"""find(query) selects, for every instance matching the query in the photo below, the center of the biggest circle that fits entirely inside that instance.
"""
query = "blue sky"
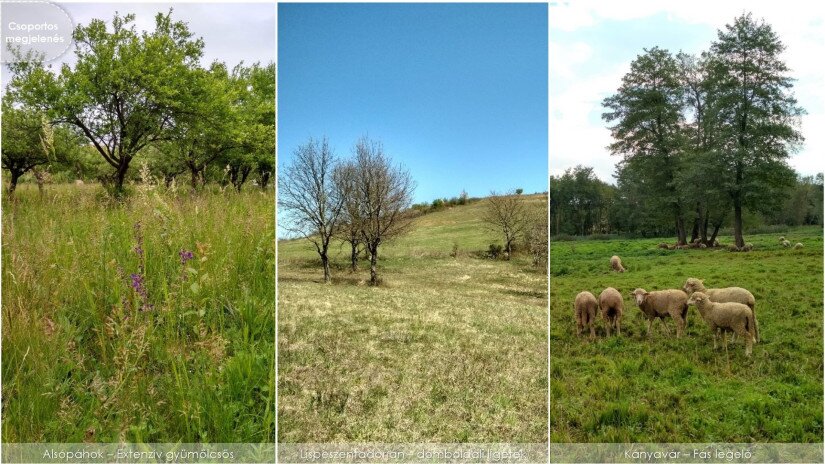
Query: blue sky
(456, 92)
(593, 42)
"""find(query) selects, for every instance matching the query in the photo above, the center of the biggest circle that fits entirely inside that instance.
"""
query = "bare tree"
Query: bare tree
(384, 197)
(309, 196)
(508, 215)
(349, 229)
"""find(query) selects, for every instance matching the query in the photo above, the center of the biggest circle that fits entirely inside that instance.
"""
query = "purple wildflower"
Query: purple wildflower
(139, 247)
(185, 256)
(139, 287)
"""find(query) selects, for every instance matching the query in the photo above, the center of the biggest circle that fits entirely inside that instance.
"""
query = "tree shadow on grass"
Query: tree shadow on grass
(527, 293)
(337, 280)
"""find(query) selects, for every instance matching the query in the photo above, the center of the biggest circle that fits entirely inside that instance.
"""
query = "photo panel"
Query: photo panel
(686, 275)
(412, 230)
(138, 281)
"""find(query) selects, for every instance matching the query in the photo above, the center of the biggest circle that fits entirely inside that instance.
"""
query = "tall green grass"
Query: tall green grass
(87, 358)
(635, 389)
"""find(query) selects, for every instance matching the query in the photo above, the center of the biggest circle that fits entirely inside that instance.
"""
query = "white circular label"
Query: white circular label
(36, 27)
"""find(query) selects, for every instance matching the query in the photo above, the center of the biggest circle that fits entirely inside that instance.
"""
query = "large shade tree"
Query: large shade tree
(647, 120)
(756, 114)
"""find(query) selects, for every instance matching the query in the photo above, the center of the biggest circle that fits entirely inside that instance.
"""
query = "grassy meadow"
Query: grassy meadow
(447, 349)
(150, 320)
(633, 389)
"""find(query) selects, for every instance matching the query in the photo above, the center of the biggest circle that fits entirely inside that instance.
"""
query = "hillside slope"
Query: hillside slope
(448, 350)
(431, 234)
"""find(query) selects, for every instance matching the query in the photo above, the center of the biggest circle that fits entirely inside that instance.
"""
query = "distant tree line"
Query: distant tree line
(583, 204)
(702, 140)
(144, 96)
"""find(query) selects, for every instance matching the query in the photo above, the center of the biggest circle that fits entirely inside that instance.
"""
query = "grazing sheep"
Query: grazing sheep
(616, 264)
(702, 246)
(663, 246)
(797, 246)
(726, 317)
(715, 242)
(781, 239)
(786, 243)
(671, 247)
(586, 307)
(661, 304)
(748, 247)
(612, 307)
(724, 295)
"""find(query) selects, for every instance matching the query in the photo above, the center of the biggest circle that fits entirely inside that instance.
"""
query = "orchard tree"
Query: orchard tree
(756, 114)
(309, 197)
(647, 127)
(211, 125)
(125, 89)
(255, 124)
(28, 141)
(384, 195)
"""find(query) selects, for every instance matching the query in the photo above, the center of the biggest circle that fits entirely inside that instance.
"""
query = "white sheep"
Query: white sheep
(724, 295)
(726, 317)
(661, 304)
(585, 308)
(797, 246)
(612, 308)
(616, 264)
(786, 243)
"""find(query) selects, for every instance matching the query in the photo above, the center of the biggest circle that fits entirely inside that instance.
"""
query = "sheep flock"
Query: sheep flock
(723, 310)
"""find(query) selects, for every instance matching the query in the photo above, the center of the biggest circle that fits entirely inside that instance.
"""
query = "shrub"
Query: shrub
(494, 251)
(454, 253)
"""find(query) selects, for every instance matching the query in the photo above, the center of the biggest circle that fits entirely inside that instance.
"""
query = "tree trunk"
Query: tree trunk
(704, 229)
(325, 261)
(737, 223)
(697, 220)
(681, 234)
(354, 256)
(716, 227)
(193, 181)
(509, 247)
(15, 176)
(120, 176)
(374, 266)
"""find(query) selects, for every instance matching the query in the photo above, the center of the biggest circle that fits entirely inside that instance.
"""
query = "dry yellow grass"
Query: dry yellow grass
(447, 350)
